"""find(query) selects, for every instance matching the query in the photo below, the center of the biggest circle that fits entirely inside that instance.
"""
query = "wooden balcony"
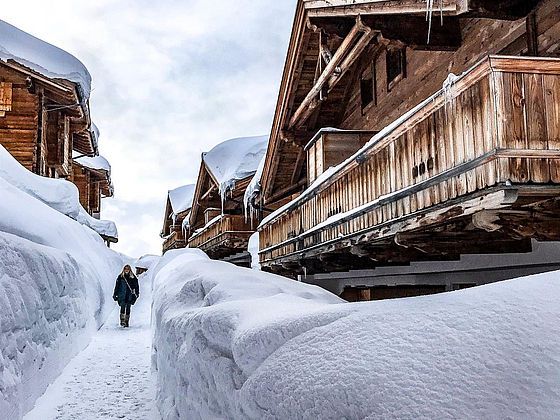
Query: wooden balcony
(475, 168)
(176, 239)
(224, 236)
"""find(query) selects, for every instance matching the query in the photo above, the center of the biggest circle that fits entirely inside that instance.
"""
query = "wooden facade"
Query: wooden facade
(218, 226)
(93, 185)
(43, 120)
(471, 168)
(174, 234)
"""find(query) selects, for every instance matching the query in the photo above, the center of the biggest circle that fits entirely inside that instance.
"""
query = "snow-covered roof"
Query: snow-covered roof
(98, 163)
(235, 159)
(42, 57)
(181, 198)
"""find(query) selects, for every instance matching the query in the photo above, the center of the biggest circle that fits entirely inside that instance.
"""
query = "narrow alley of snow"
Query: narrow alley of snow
(111, 378)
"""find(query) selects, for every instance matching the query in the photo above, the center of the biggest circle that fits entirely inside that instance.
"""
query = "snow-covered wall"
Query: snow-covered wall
(56, 281)
(242, 344)
(42, 296)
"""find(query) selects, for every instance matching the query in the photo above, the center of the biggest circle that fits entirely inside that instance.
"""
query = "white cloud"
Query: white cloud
(171, 79)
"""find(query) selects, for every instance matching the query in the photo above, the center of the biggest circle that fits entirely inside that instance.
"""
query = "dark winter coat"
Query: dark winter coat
(123, 294)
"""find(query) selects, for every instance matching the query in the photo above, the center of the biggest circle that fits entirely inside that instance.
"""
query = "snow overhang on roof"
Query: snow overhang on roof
(45, 59)
(235, 159)
(181, 198)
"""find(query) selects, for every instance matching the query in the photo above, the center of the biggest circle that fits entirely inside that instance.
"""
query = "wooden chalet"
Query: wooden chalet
(92, 176)
(177, 210)
(417, 172)
(218, 223)
(42, 120)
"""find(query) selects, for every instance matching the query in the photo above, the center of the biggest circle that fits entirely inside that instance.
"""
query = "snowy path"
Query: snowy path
(111, 379)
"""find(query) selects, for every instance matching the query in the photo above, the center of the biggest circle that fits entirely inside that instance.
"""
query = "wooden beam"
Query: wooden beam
(302, 155)
(334, 8)
(310, 99)
(411, 30)
(351, 58)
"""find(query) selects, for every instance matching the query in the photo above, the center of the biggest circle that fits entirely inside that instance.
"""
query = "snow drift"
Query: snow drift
(242, 344)
(56, 280)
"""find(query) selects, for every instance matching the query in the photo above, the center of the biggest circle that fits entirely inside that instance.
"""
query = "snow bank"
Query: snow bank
(253, 248)
(147, 261)
(235, 159)
(59, 194)
(43, 320)
(44, 58)
(242, 344)
(56, 281)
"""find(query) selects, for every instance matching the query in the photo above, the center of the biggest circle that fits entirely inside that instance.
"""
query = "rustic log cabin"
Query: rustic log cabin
(217, 221)
(44, 104)
(177, 210)
(379, 155)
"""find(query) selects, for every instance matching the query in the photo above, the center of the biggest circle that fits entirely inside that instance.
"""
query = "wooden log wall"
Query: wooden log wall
(81, 178)
(19, 126)
(493, 127)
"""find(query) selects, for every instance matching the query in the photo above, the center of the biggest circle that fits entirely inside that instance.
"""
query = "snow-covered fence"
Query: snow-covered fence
(242, 344)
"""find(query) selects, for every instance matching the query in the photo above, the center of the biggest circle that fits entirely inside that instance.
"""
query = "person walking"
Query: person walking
(126, 293)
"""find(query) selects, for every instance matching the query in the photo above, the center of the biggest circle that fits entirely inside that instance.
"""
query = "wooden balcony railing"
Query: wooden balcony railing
(498, 123)
(225, 235)
(176, 239)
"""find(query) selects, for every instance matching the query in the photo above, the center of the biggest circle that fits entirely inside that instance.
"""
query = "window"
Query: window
(396, 65)
(367, 87)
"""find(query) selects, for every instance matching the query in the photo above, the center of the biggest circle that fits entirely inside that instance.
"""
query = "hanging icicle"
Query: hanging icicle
(429, 13)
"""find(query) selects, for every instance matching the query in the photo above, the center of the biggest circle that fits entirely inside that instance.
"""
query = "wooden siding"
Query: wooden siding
(498, 124)
(19, 124)
(226, 236)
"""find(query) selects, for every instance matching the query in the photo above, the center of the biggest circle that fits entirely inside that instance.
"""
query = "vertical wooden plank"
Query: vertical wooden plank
(405, 172)
(514, 128)
(459, 144)
(410, 169)
(468, 136)
(386, 181)
(417, 153)
(398, 172)
(311, 172)
(441, 151)
(393, 175)
(485, 128)
(500, 119)
(537, 135)
(432, 155)
(551, 84)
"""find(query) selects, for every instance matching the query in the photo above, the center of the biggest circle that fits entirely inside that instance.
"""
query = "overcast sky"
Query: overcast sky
(171, 78)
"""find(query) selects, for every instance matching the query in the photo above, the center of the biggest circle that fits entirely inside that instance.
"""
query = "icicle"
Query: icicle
(447, 96)
(429, 13)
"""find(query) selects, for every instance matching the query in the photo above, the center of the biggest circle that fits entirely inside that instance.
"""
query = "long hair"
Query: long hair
(131, 272)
